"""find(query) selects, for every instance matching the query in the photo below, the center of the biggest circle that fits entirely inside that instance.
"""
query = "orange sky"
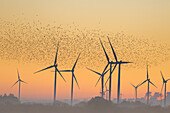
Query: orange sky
(40, 86)
(31, 30)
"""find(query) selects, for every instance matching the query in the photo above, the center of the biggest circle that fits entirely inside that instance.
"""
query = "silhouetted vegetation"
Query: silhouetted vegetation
(95, 105)
(10, 99)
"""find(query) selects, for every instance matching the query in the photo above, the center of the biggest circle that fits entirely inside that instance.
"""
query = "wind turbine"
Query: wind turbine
(106, 92)
(160, 95)
(147, 80)
(73, 78)
(102, 79)
(135, 90)
(119, 70)
(164, 82)
(19, 80)
(56, 70)
(111, 71)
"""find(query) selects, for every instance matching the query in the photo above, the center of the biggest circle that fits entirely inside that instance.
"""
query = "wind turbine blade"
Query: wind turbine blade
(138, 85)
(162, 76)
(14, 84)
(113, 68)
(56, 54)
(105, 68)
(105, 72)
(18, 74)
(76, 80)
(24, 82)
(65, 70)
(61, 75)
(168, 79)
(106, 88)
(112, 49)
(44, 69)
(104, 50)
(126, 62)
(132, 84)
(152, 84)
(94, 71)
(162, 87)
(98, 81)
(142, 83)
(113, 62)
(111, 73)
(107, 80)
(147, 72)
(76, 62)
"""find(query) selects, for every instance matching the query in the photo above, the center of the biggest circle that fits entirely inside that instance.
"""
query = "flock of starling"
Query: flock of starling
(34, 41)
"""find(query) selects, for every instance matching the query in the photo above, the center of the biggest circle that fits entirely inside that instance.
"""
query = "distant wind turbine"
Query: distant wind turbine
(73, 78)
(119, 70)
(19, 80)
(164, 82)
(135, 90)
(106, 91)
(56, 70)
(160, 95)
(102, 79)
(148, 80)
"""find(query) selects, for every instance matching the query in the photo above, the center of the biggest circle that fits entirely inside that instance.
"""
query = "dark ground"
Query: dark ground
(95, 105)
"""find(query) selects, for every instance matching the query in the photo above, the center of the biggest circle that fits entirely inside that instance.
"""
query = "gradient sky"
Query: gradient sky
(142, 17)
(145, 39)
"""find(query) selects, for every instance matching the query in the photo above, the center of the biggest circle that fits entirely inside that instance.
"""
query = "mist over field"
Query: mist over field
(94, 105)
